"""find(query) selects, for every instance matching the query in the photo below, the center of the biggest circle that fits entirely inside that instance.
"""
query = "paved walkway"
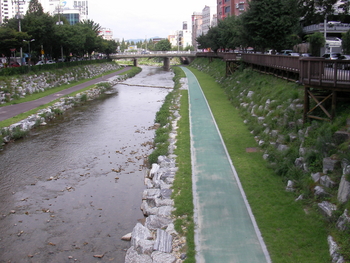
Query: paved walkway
(226, 229)
(10, 111)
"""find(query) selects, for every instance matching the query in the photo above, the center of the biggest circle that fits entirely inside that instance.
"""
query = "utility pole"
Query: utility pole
(19, 27)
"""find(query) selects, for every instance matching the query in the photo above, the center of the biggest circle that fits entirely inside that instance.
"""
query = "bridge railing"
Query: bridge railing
(287, 63)
(322, 72)
(155, 53)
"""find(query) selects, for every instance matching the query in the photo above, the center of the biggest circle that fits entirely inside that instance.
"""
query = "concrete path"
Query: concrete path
(10, 111)
(226, 229)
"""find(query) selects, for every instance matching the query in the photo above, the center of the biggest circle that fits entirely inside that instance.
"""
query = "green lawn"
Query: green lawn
(291, 234)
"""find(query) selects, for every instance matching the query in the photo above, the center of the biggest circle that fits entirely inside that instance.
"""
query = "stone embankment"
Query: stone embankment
(324, 186)
(65, 103)
(20, 86)
(156, 241)
(279, 128)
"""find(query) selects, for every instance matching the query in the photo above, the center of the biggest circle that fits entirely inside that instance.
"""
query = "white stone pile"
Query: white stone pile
(49, 113)
(32, 83)
(156, 241)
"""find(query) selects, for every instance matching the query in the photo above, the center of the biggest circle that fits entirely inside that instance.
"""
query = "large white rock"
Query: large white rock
(344, 190)
(133, 257)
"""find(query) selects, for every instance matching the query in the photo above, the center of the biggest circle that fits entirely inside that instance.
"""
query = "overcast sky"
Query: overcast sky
(140, 18)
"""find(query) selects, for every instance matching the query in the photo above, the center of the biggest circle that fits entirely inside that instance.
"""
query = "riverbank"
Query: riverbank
(266, 152)
(17, 126)
(86, 168)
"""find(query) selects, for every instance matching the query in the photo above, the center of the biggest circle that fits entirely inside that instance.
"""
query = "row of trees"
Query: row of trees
(272, 24)
(38, 32)
(52, 34)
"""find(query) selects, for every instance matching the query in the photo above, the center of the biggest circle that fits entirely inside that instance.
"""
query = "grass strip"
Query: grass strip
(291, 234)
(47, 92)
(182, 187)
(5, 123)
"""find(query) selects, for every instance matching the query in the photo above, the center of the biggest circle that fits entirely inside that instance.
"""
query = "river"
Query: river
(72, 189)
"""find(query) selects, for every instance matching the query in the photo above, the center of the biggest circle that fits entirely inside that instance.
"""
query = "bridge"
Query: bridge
(186, 57)
(324, 80)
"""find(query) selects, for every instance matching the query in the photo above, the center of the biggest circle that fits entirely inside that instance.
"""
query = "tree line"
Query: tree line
(274, 24)
(52, 36)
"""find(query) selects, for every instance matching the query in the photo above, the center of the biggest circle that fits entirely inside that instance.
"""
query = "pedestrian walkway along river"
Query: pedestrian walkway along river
(72, 189)
(226, 229)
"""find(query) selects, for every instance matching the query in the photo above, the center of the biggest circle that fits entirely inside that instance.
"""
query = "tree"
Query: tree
(95, 27)
(269, 23)
(91, 30)
(11, 39)
(35, 8)
(316, 11)
(108, 47)
(346, 42)
(230, 32)
(163, 45)
(316, 41)
(71, 38)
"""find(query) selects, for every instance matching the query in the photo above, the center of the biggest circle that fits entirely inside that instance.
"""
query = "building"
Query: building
(208, 15)
(106, 33)
(227, 8)
(201, 23)
(196, 28)
(12, 8)
(73, 11)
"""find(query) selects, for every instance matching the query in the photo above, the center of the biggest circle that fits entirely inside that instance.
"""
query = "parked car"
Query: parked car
(50, 62)
(294, 54)
(306, 55)
(39, 63)
(346, 59)
(286, 52)
(332, 56)
(14, 65)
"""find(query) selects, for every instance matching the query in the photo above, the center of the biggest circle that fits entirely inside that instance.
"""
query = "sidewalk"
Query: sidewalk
(10, 111)
(226, 230)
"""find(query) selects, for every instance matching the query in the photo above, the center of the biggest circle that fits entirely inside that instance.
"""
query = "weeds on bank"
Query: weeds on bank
(50, 91)
(293, 231)
(17, 134)
(163, 118)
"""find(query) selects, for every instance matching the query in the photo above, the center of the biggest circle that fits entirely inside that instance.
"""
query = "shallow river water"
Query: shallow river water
(73, 188)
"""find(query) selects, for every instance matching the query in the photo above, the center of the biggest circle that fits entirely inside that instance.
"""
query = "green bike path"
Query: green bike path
(226, 230)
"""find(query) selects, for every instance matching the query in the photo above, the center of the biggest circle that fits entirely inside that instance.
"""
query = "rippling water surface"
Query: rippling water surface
(72, 189)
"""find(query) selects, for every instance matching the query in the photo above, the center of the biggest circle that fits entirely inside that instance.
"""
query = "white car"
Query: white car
(50, 62)
(40, 62)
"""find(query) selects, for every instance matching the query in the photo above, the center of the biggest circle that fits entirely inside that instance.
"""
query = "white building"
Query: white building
(106, 33)
(12, 8)
(208, 15)
(74, 11)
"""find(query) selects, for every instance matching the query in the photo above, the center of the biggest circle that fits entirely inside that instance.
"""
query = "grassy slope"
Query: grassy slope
(34, 96)
(290, 234)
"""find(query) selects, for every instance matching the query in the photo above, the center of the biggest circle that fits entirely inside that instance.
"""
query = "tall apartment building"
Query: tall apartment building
(201, 23)
(196, 28)
(227, 8)
(208, 14)
(74, 11)
(12, 8)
